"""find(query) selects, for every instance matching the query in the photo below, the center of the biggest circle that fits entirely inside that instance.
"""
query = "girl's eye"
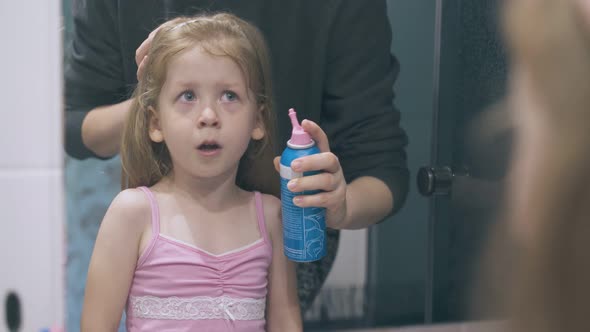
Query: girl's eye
(229, 96)
(188, 96)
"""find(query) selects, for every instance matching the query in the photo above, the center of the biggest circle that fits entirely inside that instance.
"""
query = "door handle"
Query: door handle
(435, 180)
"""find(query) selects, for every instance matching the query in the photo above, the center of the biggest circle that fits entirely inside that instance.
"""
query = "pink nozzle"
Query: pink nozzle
(298, 135)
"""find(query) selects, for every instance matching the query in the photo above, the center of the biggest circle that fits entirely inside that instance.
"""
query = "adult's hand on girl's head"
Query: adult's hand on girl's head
(331, 181)
(142, 51)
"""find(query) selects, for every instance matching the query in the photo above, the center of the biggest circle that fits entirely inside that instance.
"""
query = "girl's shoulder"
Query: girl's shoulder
(270, 203)
(133, 199)
(132, 207)
(272, 212)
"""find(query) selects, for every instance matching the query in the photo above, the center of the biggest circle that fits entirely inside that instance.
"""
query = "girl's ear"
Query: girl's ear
(258, 132)
(155, 131)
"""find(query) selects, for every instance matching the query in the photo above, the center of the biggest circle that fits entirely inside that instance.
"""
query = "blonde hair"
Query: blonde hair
(144, 162)
(550, 287)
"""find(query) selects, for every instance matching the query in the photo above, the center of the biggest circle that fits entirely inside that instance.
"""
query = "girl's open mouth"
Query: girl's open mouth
(209, 148)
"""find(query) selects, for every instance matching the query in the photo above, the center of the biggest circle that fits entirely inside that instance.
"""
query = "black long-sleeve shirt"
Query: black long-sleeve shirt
(331, 61)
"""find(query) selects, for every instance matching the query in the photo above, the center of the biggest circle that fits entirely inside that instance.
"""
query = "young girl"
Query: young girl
(189, 248)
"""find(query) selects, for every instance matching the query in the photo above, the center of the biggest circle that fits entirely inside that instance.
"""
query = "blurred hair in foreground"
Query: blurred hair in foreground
(538, 253)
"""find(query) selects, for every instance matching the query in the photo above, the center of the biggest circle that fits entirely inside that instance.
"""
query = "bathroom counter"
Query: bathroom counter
(460, 327)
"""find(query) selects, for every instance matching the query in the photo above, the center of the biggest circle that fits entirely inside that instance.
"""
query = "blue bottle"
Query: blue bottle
(304, 229)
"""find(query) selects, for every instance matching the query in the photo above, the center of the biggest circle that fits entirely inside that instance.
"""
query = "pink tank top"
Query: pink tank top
(179, 287)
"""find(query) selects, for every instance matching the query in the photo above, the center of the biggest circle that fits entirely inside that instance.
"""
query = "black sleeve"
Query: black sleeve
(358, 113)
(93, 69)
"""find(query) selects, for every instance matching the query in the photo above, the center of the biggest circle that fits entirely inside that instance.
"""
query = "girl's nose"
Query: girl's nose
(208, 118)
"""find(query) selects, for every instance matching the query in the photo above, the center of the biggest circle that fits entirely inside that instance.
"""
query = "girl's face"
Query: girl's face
(205, 114)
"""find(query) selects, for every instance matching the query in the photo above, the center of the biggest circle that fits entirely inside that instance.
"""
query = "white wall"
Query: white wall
(350, 266)
(31, 161)
(343, 295)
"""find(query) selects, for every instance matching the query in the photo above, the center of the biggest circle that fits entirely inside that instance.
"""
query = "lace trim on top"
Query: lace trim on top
(195, 308)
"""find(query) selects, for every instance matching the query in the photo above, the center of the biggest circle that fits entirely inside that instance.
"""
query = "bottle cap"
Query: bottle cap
(299, 137)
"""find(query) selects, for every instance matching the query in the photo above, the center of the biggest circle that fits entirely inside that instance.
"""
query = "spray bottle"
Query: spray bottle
(304, 229)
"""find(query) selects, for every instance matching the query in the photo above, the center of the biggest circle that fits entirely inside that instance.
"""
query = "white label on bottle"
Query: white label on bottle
(288, 173)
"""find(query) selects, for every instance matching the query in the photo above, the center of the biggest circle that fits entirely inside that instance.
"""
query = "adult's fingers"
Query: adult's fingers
(326, 161)
(322, 181)
(143, 49)
(318, 135)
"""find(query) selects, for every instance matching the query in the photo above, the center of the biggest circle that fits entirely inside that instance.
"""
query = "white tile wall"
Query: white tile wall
(350, 266)
(30, 83)
(31, 166)
(343, 292)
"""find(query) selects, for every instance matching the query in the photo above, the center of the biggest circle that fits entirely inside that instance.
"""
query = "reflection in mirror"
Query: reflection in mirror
(92, 184)
(383, 275)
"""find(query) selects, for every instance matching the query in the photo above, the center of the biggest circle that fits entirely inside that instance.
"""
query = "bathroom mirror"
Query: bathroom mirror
(417, 267)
